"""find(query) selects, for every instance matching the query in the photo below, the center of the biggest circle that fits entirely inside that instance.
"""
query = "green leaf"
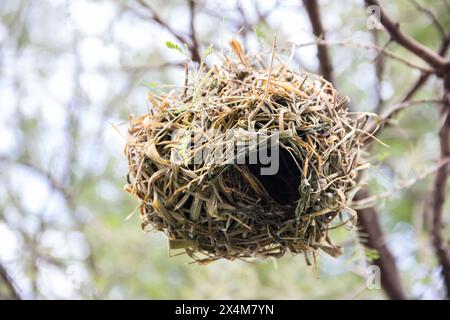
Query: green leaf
(174, 46)
(209, 51)
(149, 85)
(259, 32)
(372, 254)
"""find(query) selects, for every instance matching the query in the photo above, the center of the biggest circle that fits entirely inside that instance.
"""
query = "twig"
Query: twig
(322, 51)
(372, 236)
(406, 41)
(395, 109)
(244, 24)
(372, 200)
(438, 192)
(379, 70)
(381, 50)
(272, 58)
(445, 43)
(191, 41)
(146, 67)
(432, 16)
(6, 278)
(194, 44)
(157, 19)
(186, 79)
(370, 230)
(447, 3)
(367, 218)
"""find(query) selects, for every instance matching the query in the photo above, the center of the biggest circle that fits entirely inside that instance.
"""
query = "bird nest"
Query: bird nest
(196, 161)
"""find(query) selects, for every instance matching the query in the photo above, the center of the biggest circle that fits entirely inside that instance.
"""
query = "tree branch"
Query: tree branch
(6, 278)
(368, 219)
(431, 15)
(406, 41)
(191, 41)
(442, 51)
(381, 50)
(395, 109)
(438, 193)
(442, 68)
(156, 18)
(372, 236)
(379, 70)
(194, 44)
(322, 50)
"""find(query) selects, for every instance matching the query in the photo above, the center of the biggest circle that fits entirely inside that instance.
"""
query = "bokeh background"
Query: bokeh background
(71, 72)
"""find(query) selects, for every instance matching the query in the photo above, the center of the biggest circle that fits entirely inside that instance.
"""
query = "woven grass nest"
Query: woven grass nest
(219, 209)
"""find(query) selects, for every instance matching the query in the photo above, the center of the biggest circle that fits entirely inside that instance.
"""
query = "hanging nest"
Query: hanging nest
(216, 208)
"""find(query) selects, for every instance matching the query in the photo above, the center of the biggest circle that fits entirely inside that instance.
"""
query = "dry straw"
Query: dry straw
(216, 210)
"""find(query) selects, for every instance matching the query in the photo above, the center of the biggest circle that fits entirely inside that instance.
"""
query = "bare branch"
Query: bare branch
(6, 278)
(438, 193)
(374, 199)
(416, 86)
(372, 236)
(367, 217)
(447, 3)
(395, 109)
(442, 67)
(406, 41)
(157, 19)
(322, 51)
(432, 16)
(424, 76)
(381, 50)
(147, 67)
(370, 227)
(194, 44)
(190, 41)
(379, 70)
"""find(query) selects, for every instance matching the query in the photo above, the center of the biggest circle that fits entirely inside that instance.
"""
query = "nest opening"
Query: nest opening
(282, 186)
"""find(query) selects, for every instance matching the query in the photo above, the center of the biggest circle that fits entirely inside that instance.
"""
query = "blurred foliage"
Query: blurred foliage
(72, 71)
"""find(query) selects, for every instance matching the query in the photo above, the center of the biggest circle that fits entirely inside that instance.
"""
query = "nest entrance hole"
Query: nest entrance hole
(282, 186)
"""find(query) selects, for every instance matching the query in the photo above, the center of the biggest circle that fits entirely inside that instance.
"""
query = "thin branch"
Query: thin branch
(447, 3)
(372, 236)
(442, 51)
(442, 68)
(368, 218)
(191, 41)
(395, 109)
(431, 15)
(6, 278)
(147, 67)
(379, 70)
(371, 46)
(370, 231)
(157, 19)
(54, 184)
(313, 11)
(438, 193)
(374, 199)
(194, 44)
(406, 41)
(244, 25)
(375, 127)
(416, 86)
